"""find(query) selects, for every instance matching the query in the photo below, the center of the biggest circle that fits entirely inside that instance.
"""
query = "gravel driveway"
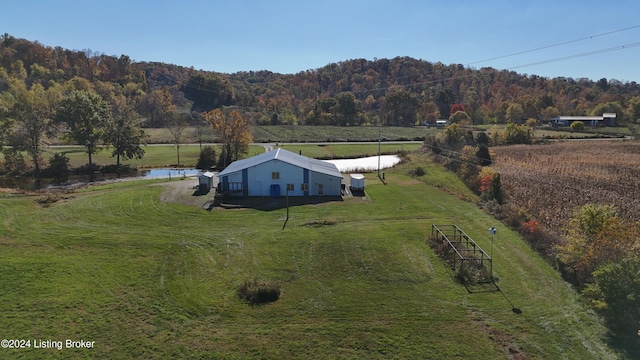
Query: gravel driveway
(185, 191)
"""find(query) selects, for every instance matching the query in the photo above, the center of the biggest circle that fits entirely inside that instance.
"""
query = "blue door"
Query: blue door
(274, 190)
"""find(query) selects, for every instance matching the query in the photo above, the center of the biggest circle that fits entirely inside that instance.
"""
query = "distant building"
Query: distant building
(280, 172)
(607, 119)
(438, 123)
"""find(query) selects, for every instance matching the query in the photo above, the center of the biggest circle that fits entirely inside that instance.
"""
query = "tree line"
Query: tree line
(399, 91)
(96, 101)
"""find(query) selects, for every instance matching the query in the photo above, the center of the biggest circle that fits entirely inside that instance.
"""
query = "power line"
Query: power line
(203, 87)
(555, 45)
(596, 52)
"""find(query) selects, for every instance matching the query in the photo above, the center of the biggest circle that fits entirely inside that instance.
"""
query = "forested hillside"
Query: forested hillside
(399, 91)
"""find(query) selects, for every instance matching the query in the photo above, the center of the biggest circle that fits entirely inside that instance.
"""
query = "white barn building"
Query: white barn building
(277, 172)
(607, 119)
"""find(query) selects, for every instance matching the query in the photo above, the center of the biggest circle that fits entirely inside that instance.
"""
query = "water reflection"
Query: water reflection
(365, 164)
(167, 173)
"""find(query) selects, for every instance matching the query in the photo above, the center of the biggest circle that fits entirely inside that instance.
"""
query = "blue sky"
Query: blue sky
(293, 36)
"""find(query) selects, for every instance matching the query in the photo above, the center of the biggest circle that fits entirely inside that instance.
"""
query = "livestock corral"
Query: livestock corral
(551, 180)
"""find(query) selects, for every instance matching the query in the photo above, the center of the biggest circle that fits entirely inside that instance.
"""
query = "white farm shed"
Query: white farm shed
(357, 182)
(277, 172)
(205, 181)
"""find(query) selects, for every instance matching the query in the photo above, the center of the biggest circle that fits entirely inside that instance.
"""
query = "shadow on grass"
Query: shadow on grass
(491, 287)
(270, 204)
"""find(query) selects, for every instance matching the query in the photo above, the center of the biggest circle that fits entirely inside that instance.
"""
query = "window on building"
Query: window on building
(275, 175)
(304, 187)
(289, 187)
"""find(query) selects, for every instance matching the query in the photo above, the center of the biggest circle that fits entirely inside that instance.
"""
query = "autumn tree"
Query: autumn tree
(615, 294)
(86, 116)
(455, 108)
(323, 112)
(469, 167)
(157, 106)
(234, 134)
(633, 109)
(34, 112)
(592, 228)
(514, 113)
(516, 134)
(208, 91)
(401, 107)
(532, 124)
(444, 99)
(550, 112)
(460, 117)
(6, 121)
(10, 89)
(453, 134)
(347, 108)
(609, 107)
(123, 132)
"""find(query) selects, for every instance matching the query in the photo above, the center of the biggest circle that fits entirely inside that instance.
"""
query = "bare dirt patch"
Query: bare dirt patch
(185, 192)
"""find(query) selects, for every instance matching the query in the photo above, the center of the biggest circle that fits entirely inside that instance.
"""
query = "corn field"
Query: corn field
(551, 180)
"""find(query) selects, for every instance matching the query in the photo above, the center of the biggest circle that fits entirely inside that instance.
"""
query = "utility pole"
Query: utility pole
(492, 231)
(379, 154)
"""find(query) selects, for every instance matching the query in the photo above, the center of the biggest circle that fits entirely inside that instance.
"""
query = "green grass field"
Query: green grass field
(155, 156)
(148, 279)
(298, 134)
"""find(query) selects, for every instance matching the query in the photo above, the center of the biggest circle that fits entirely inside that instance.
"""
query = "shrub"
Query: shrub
(117, 169)
(494, 189)
(417, 172)
(440, 246)
(87, 169)
(259, 291)
(58, 168)
(207, 159)
(473, 273)
(49, 198)
(577, 126)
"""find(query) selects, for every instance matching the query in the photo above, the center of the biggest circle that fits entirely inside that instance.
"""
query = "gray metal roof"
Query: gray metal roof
(288, 157)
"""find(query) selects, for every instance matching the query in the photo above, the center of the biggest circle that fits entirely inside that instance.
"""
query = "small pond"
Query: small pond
(344, 165)
(167, 173)
(365, 164)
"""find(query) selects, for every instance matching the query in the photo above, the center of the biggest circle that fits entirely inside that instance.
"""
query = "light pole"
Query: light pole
(492, 231)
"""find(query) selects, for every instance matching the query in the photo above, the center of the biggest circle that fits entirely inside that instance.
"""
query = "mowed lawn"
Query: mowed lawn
(148, 279)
